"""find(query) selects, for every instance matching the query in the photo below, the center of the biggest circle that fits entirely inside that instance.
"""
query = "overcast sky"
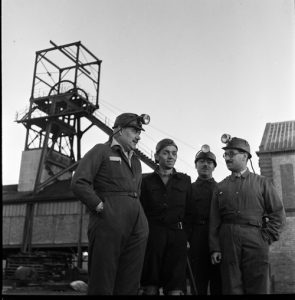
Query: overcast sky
(200, 68)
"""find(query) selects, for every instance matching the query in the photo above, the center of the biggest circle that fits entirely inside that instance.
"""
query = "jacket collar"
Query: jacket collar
(174, 173)
(116, 145)
(243, 174)
(201, 180)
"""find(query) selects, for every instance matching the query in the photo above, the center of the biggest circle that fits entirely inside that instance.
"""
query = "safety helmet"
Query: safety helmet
(205, 153)
(236, 143)
(131, 120)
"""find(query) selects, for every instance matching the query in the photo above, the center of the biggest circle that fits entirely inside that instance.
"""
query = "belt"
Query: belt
(200, 222)
(241, 221)
(115, 193)
(177, 225)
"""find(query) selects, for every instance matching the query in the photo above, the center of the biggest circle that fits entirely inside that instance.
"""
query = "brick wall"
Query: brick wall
(283, 166)
(282, 253)
(280, 168)
(282, 257)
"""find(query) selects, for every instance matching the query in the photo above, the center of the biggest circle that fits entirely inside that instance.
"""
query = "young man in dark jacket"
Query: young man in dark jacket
(165, 195)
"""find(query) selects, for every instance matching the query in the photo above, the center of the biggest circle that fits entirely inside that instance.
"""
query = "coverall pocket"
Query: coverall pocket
(264, 237)
(94, 220)
(116, 169)
(222, 200)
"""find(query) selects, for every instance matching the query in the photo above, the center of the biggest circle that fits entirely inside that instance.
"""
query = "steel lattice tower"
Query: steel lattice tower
(65, 88)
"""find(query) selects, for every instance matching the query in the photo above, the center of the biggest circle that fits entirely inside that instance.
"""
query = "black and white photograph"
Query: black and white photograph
(148, 147)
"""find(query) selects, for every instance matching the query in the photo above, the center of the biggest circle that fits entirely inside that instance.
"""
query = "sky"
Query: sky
(199, 68)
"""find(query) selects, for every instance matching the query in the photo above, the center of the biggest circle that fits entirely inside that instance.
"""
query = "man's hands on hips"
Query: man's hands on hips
(216, 258)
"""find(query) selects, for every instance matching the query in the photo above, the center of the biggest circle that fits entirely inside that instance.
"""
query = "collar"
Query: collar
(242, 174)
(115, 143)
(202, 180)
(157, 170)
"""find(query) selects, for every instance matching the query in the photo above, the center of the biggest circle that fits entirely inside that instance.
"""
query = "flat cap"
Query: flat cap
(164, 143)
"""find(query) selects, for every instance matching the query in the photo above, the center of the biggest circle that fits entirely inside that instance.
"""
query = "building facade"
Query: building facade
(277, 161)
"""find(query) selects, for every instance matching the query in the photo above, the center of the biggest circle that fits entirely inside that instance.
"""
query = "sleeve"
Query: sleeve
(275, 213)
(142, 195)
(214, 223)
(187, 222)
(82, 181)
(140, 179)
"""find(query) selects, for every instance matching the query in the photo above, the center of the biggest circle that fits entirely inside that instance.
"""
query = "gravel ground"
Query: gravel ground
(10, 288)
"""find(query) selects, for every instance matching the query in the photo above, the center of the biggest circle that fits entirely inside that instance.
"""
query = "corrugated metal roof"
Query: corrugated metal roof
(59, 190)
(279, 136)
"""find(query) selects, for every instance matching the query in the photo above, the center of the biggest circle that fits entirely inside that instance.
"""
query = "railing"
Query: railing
(97, 114)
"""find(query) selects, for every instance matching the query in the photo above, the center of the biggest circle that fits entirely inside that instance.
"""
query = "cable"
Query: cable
(252, 166)
(161, 131)
(175, 138)
(157, 129)
(47, 71)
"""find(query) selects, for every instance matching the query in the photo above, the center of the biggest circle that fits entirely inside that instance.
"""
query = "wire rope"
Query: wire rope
(150, 137)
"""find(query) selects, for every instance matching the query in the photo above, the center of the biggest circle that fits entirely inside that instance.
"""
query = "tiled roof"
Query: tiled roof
(279, 136)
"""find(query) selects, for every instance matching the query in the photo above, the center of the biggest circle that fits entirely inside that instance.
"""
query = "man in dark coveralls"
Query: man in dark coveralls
(205, 273)
(165, 194)
(107, 181)
(239, 238)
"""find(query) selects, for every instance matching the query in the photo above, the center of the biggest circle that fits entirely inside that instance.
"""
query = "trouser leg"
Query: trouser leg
(201, 274)
(199, 252)
(231, 275)
(255, 263)
(215, 280)
(174, 266)
(154, 255)
(103, 256)
(131, 260)
(245, 262)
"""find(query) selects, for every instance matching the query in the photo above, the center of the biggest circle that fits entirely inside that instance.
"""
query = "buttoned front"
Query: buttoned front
(248, 197)
(165, 204)
(202, 191)
(166, 207)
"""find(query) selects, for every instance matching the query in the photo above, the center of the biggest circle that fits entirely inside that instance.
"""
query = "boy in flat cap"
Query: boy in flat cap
(107, 181)
(239, 239)
(165, 195)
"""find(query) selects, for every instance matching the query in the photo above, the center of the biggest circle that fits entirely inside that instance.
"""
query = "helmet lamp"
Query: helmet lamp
(145, 119)
(205, 148)
(225, 138)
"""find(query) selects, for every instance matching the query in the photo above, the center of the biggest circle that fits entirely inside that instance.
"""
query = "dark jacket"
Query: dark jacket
(165, 204)
(202, 191)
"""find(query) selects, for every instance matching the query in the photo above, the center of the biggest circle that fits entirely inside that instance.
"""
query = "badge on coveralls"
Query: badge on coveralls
(115, 158)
